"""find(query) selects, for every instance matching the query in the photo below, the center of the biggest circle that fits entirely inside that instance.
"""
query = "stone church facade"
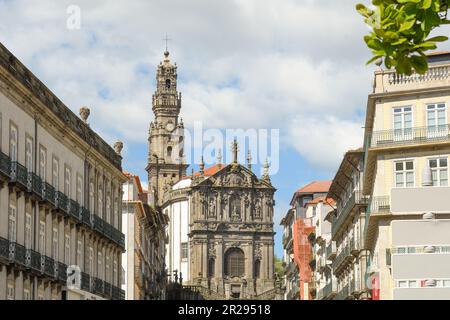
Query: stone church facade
(220, 229)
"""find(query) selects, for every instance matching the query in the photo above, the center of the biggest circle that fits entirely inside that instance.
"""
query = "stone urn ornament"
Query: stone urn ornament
(118, 146)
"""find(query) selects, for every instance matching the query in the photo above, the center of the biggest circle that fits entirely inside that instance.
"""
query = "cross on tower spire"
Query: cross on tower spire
(166, 39)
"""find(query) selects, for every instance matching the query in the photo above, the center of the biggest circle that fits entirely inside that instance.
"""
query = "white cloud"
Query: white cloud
(323, 141)
(245, 63)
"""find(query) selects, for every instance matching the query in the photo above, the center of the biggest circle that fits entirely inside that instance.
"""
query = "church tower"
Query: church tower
(166, 164)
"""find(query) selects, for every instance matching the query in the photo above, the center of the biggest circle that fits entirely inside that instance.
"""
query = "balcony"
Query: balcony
(107, 290)
(35, 185)
(74, 210)
(330, 289)
(50, 194)
(5, 165)
(341, 259)
(98, 224)
(62, 203)
(355, 287)
(410, 136)
(97, 286)
(19, 175)
(85, 282)
(355, 247)
(356, 200)
(17, 253)
(4, 249)
(117, 293)
(344, 293)
(331, 250)
(33, 260)
(48, 266)
(61, 271)
(86, 217)
(109, 231)
(378, 207)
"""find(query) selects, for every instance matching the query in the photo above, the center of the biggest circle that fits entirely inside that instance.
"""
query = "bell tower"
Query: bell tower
(166, 163)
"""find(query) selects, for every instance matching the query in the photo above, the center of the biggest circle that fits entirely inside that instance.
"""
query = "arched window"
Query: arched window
(211, 267)
(234, 263)
(169, 151)
(167, 83)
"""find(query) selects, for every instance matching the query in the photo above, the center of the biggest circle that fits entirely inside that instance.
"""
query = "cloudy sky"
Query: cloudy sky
(298, 66)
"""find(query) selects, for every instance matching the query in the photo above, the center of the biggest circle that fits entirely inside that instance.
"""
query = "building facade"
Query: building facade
(221, 232)
(317, 211)
(303, 237)
(346, 249)
(291, 278)
(407, 149)
(145, 237)
(60, 196)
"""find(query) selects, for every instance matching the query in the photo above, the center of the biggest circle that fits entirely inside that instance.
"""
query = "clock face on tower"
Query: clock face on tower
(170, 126)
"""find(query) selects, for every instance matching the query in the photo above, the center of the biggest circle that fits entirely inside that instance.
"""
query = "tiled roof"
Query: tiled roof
(329, 201)
(210, 171)
(316, 186)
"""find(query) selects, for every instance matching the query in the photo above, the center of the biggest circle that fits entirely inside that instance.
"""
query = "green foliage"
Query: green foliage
(279, 270)
(401, 30)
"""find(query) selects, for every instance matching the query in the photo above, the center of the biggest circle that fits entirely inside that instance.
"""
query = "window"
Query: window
(108, 209)
(13, 138)
(42, 163)
(404, 174)
(91, 261)
(169, 152)
(167, 83)
(100, 202)
(234, 263)
(29, 154)
(28, 230)
(403, 284)
(79, 196)
(184, 251)
(403, 123)
(114, 271)
(413, 284)
(55, 244)
(67, 249)
(108, 267)
(10, 292)
(436, 119)
(55, 174)
(42, 237)
(26, 294)
(100, 265)
(67, 181)
(79, 252)
(91, 197)
(12, 225)
(439, 171)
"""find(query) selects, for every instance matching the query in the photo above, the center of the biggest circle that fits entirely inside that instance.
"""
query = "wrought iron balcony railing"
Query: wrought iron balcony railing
(17, 253)
(97, 286)
(19, 175)
(74, 210)
(86, 216)
(330, 289)
(409, 136)
(48, 266)
(357, 198)
(107, 289)
(117, 293)
(33, 260)
(98, 224)
(4, 249)
(85, 282)
(35, 185)
(5, 165)
(61, 271)
(62, 202)
(50, 194)
(341, 257)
